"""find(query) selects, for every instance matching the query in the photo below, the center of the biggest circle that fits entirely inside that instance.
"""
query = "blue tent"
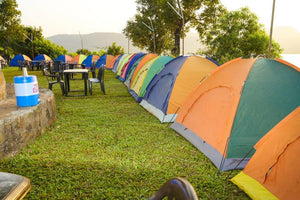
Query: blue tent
(104, 60)
(64, 58)
(41, 57)
(173, 84)
(101, 61)
(89, 60)
(19, 57)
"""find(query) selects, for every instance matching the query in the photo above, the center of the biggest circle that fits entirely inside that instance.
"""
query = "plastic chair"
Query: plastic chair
(93, 69)
(58, 68)
(31, 66)
(26, 64)
(40, 65)
(99, 79)
(56, 78)
(21, 64)
(176, 188)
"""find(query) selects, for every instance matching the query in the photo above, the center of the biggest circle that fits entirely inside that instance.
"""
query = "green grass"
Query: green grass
(109, 147)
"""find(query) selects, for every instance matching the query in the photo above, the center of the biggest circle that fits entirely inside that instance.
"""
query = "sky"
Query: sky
(89, 16)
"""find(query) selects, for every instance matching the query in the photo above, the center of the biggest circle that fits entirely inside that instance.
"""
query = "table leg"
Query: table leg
(85, 83)
(68, 77)
(66, 84)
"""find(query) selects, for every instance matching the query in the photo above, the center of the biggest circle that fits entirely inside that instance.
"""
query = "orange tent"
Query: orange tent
(172, 85)
(141, 64)
(229, 112)
(78, 59)
(273, 171)
(110, 66)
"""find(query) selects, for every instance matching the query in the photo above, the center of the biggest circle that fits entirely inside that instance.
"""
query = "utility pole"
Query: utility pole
(180, 14)
(128, 45)
(153, 33)
(81, 42)
(31, 40)
(32, 51)
(271, 30)
(182, 18)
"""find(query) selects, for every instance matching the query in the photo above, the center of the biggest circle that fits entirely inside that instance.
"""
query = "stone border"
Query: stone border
(21, 125)
(2, 87)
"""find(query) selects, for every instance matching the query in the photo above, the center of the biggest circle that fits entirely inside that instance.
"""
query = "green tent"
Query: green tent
(146, 74)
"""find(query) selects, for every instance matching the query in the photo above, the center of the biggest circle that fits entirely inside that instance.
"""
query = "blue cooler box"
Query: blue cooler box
(26, 90)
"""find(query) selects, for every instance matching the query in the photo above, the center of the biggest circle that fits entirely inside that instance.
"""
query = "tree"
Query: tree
(115, 50)
(84, 52)
(101, 52)
(94, 53)
(147, 30)
(34, 43)
(45, 46)
(10, 24)
(199, 14)
(72, 54)
(238, 34)
(26, 44)
(170, 24)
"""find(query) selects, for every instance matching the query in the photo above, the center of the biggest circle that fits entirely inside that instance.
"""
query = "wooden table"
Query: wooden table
(67, 75)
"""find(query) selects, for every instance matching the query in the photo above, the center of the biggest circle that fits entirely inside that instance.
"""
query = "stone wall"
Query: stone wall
(21, 125)
(2, 87)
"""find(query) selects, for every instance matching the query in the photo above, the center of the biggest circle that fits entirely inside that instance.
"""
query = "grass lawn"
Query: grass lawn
(109, 147)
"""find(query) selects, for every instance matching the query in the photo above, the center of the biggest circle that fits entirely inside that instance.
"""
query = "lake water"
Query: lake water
(292, 58)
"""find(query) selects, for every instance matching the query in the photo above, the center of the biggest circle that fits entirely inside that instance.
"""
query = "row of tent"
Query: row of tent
(78, 59)
(242, 114)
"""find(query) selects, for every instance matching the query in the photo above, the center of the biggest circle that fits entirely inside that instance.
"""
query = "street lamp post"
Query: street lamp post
(153, 33)
(180, 14)
(31, 40)
(271, 30)
(128, 45)
(81, 42)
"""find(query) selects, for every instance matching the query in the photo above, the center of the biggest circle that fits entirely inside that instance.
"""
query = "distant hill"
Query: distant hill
(93, 41)
(101, 40)
(287, 37)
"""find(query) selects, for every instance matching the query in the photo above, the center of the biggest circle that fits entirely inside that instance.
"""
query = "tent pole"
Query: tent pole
(223, 157)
